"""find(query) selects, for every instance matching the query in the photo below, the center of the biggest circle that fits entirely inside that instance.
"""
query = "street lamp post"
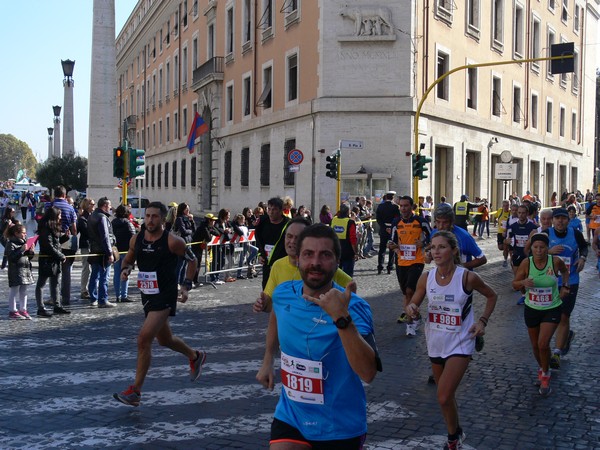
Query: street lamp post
(56, 110)
(50, 132)
(68, 128)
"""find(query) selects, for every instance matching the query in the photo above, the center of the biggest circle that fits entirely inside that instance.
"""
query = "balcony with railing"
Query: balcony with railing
(210, 71)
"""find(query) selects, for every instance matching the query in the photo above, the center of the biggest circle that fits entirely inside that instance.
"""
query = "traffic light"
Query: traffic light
(118, 162)
(415, 165)
(419, 163)
(332, 166)
(136, 162)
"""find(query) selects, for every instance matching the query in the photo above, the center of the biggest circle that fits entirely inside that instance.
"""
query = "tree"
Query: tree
(69, 171)
(14, 156)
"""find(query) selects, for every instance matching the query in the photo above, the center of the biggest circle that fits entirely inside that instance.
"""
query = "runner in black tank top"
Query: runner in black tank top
(156, 252)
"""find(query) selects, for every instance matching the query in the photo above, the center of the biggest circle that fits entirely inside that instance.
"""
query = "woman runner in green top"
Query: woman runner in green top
(537, 277)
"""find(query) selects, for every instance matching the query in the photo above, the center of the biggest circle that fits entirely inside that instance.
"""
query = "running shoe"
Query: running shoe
(60, 310)
(545, 384)
(196, 365)
(555, 361)
(219, 282)
(505, 263)
(14, 315)
(479, 342)
(410, 329)
(569, 340)
(131, 396)
(403, 318)
(25, 314)
(456, 443)
(521, 300)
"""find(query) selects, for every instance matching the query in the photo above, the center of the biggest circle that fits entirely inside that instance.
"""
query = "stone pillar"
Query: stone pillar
(68, 127)
(104, 132)
(56, 109)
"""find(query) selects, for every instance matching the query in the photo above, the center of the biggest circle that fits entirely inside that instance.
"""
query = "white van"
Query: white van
(138, 206)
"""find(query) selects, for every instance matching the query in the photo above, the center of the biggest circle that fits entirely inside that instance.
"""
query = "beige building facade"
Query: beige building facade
(274, 76)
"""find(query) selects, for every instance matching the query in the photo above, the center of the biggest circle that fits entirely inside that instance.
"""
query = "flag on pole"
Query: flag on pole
(199, 127)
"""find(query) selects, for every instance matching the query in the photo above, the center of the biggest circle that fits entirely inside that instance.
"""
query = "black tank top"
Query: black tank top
(157, 268)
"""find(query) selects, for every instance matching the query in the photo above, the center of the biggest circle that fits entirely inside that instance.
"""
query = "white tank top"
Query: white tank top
(449, 317)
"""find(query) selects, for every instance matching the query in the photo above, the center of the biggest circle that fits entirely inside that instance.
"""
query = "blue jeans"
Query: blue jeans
(98, 285)
(121, 287)
(253, 252)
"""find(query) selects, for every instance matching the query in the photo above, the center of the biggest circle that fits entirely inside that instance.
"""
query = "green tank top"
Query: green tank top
(544, 294)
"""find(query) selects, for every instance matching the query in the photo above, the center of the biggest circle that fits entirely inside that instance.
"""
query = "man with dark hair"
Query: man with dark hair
(517, 236)
(569, 244)
(410, 233)
(269, 233)
(345, 229)
(462, 209)
(69, 248)
(156, 251)
(102, 241)
(326, 374)
(386, 212)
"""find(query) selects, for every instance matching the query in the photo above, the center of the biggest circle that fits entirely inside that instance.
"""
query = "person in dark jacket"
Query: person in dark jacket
(102, 240)
(200, 238)
(19, 270)
(123, 230)
(8, 219)
(86, 208)
(51, 260)
(184, 227)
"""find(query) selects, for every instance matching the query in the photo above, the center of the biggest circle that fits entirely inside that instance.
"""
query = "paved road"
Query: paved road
(57, 377)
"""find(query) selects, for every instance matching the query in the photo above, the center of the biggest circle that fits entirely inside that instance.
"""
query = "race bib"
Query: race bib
(148, 283)
(268, 249)
(302, 379)
(540, 296)
(521, 240)
(407, 252)
(567, 261)
(444, 315)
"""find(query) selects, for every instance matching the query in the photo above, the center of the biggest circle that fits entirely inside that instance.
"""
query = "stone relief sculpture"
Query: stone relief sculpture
(369, 20)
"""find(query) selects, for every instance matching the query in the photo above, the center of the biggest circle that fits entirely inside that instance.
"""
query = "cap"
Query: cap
(390, 193)
(540, 237)
(464, 197)
(560, 212)
(210, 216)
(173, 204)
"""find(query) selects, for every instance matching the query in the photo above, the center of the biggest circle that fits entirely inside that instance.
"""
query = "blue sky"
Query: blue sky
(36, 36)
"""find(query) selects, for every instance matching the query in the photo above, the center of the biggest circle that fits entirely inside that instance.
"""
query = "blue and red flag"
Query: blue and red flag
(199, 127)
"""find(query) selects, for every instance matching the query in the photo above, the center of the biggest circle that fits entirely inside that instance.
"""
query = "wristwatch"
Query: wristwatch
(343, 322)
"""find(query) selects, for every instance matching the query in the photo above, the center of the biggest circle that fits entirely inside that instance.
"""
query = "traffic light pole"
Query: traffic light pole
(126, 168)
(338, 181)
(444, 76)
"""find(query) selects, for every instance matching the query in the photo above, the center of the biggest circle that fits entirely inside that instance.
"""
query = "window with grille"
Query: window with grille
(166, 174)
(227, 169)
(265, 164)
(158, 176)
(174, 175)
(443, 66)
(183, 162)
(288, 177)
(245, 167)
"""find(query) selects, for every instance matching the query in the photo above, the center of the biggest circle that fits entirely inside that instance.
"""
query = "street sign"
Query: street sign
(294, 168)
(355, 145)
(505, 171)
(295, 157)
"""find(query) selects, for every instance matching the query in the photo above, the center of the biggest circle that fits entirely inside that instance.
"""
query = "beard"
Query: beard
(315, 277)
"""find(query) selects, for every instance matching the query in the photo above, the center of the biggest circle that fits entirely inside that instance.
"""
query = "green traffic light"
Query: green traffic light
(137, 162)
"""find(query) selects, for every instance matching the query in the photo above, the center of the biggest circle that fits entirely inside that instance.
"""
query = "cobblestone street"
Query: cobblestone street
(57, 376)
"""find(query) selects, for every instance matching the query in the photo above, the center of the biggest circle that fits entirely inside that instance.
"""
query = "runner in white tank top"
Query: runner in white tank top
(451, 330)
(450, 317)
